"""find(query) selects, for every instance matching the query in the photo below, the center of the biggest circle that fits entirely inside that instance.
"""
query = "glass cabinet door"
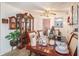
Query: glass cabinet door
(28, 23)
(24, 23)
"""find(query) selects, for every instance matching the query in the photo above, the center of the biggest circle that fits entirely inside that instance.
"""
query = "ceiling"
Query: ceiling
(34, 6)
(41, 5)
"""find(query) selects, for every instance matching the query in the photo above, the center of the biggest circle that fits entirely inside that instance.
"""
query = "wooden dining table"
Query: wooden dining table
(45, 50)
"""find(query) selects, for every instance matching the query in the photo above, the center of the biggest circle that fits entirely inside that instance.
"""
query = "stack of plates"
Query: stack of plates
(62, 49)
(43, 41)
(58, 42)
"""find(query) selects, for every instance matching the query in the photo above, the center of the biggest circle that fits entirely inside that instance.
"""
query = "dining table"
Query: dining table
(48, 50)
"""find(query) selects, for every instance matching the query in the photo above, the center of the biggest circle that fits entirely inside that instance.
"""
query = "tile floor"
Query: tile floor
(19, 52)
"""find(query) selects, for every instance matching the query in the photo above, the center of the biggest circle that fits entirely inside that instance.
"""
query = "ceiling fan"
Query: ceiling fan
(47, 13)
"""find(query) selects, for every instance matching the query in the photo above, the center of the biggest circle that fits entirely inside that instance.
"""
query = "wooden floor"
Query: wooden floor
(18, 52)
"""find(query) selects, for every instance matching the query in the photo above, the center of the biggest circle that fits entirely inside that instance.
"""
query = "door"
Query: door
(46, 23)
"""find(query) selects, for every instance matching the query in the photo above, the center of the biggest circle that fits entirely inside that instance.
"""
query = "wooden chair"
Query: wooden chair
(73, 43)
(69, 37)
(29, 36)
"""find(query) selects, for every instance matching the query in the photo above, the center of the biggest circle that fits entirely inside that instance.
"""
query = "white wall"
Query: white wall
(38, 25)
(0, 28)
(6, 11)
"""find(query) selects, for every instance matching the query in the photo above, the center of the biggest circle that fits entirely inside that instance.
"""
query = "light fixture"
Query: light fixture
(47, 13)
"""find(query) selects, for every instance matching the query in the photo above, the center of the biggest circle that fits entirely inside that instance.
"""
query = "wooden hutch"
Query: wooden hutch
(25, 23)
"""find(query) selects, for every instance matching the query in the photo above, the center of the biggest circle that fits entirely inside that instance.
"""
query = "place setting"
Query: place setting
(61, 46)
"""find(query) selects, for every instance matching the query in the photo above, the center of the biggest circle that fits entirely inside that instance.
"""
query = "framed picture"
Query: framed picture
(5, 21)
(58, 22)
(75, 15)
(12, 22)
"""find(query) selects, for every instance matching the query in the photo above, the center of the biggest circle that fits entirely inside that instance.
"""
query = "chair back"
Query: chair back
(69, 37)
(73, 45)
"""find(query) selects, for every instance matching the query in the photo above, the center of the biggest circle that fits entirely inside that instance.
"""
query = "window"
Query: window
(58, 22)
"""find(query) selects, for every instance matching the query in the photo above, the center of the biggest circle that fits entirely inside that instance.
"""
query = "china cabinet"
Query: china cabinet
(20, 22)
(25, 23)
(29, 22)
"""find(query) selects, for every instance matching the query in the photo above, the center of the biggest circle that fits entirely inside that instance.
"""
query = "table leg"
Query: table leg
(30, 53)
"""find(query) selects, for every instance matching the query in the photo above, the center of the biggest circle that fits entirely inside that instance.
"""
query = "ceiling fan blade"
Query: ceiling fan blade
(53, 13)
(58, 10)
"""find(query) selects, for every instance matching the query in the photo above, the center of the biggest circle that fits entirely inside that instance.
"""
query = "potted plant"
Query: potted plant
(13, 36)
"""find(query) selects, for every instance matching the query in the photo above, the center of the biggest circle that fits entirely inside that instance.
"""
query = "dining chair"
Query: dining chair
(69, 37)
(31, 34)
(41, 33)
(73, 45)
